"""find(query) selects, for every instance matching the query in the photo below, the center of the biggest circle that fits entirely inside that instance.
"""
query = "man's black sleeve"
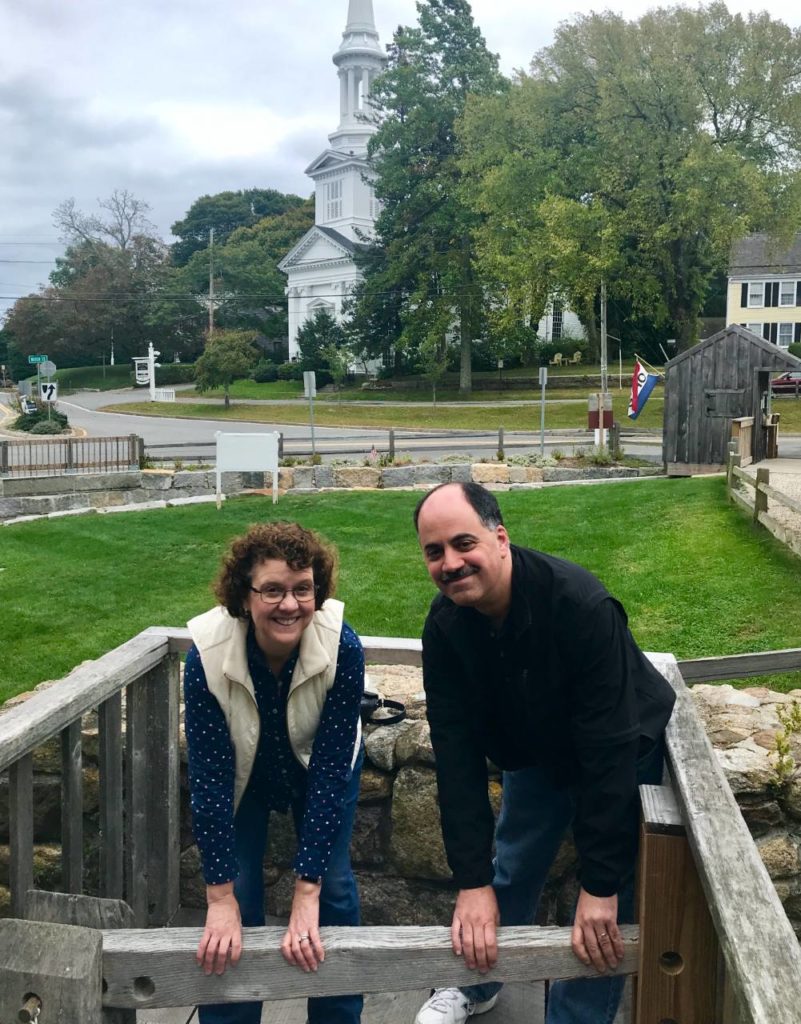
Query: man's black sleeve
(605, 731)
(467, 820)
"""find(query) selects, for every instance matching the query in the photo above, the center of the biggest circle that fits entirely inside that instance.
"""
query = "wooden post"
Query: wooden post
(86, 912)
(72, 808)
(153, 795)
(678, 974)
(391, 444)
(500, 442)
(734, 460)
(58, 964)
(20, 784)
(3, 458)
(280, 445)
(112, 842)
(760, 498)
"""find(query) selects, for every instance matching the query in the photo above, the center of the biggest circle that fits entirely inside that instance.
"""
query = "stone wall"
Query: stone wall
(397, 847)
(21, 498)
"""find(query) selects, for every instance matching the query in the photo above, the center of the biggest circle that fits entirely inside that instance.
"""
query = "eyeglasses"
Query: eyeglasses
(272, 594)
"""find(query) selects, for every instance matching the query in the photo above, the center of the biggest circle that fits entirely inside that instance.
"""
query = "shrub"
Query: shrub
(45, 427)
(27, 421)
(265, 372)
(795, 349)
(290, 371)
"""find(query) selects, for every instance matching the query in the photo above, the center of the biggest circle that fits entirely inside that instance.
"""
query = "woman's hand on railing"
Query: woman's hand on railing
(596, 937)
(302, 946)
(222, 936)
(474, 928)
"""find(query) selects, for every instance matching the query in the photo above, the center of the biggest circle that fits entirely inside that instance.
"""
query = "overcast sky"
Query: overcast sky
(174, 99)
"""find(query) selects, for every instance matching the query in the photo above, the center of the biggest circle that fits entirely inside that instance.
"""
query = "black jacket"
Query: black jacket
(564, 686)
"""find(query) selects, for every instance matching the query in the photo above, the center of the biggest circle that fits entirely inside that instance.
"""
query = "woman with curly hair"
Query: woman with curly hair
(273, 685)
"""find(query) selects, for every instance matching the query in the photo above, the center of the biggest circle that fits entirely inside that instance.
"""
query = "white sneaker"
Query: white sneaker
(451, 1006)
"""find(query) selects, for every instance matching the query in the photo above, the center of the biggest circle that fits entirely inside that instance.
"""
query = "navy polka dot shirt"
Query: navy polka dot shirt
(278, 778)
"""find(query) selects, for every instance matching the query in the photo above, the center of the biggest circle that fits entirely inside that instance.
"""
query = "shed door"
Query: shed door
(724, 403)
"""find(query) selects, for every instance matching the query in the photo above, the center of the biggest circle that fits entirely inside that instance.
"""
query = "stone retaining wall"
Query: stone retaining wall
(107, 492)
(397, 847)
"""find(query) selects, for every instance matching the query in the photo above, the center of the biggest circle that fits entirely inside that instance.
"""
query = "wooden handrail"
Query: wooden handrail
(156, 968)
(761, 951)
(27, 726)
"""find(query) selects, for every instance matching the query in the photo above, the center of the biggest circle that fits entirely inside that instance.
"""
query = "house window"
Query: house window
(557, 321)
(787, 290)
(785, 338)
(755, 329)
(333, 199)
(756, 293)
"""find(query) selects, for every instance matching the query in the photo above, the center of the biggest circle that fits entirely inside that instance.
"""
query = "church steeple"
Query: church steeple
(359, 59)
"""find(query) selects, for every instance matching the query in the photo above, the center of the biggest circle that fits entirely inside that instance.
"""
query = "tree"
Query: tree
(225, 212)
(124, 219)
(317, 334)
(636, 153)
(228, 356)
(425, 227)
(248, 286)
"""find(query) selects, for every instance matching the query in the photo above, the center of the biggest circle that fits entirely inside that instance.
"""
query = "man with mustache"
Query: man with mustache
(528, 661)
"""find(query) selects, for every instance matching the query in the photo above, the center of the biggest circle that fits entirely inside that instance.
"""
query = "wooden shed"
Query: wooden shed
(721, 379)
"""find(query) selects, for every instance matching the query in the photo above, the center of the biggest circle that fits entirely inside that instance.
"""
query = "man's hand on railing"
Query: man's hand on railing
(596, 936)
(222, 936)
(473, 932)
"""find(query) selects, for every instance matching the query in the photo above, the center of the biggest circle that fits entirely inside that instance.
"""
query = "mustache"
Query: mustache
(460, 574)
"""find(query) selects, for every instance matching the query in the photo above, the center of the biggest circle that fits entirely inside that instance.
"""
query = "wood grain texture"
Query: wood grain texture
(762, 954)
(61, 964)
(72, 808)
(20, 786)
(136, 801)
(740, 666)
(112, 873)
(660, 811)
(49, 711)
(383, 959)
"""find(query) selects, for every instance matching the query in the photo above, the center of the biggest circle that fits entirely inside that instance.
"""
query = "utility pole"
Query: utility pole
(604, 359)
(211, 281)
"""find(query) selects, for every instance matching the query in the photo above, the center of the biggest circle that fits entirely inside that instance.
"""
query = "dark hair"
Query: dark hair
(482, 501)
(289, 542)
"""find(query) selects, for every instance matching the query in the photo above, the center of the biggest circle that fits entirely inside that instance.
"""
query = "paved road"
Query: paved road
(331, 441)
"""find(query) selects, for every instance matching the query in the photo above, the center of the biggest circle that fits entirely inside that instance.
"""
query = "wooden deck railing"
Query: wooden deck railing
(758, 507)
(139, 778)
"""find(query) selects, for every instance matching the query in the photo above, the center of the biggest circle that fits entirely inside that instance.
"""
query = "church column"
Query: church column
(343, 94)
(352, 105)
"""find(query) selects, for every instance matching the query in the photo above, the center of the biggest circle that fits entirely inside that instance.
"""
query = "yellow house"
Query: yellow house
(764, 293)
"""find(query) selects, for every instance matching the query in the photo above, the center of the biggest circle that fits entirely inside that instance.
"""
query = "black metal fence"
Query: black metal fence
(55, 456)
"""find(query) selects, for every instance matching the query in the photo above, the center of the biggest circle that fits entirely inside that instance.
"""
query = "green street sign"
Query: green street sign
(33, 360)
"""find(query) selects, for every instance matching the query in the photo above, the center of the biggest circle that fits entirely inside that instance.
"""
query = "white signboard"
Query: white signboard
(48, 391)
(247, 453)
(309, 384)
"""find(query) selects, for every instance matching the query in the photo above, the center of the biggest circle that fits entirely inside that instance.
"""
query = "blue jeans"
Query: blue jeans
(339, 902)
(534, 818)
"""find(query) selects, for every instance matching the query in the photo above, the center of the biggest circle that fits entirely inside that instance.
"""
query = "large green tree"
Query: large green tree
(248, 286)
(225, 212)
(425, 228)
(636, 153)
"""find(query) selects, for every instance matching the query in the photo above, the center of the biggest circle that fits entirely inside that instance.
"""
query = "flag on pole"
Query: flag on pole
(643, 383)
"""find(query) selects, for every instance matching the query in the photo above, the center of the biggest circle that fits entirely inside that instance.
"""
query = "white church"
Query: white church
(320, 269)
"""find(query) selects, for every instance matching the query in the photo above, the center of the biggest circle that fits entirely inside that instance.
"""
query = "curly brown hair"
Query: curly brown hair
(289, 542)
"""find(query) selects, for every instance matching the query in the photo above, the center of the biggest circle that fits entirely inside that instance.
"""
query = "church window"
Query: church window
(334, 199)
(557, 320)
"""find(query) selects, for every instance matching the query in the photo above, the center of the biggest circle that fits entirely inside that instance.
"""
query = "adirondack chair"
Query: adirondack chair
(557, 359)
(576, 358)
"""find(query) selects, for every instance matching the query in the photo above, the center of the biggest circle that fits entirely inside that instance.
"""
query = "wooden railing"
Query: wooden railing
(758, 507)
(742, 433)
(139, 779)
(55, 456)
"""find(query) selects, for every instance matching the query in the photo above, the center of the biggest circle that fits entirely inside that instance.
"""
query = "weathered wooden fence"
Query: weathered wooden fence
(714, 943)
(54, 456)
(757, 507)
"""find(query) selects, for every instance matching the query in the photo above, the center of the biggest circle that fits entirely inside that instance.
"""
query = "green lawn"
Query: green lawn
(563, 414)
(695, 577)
